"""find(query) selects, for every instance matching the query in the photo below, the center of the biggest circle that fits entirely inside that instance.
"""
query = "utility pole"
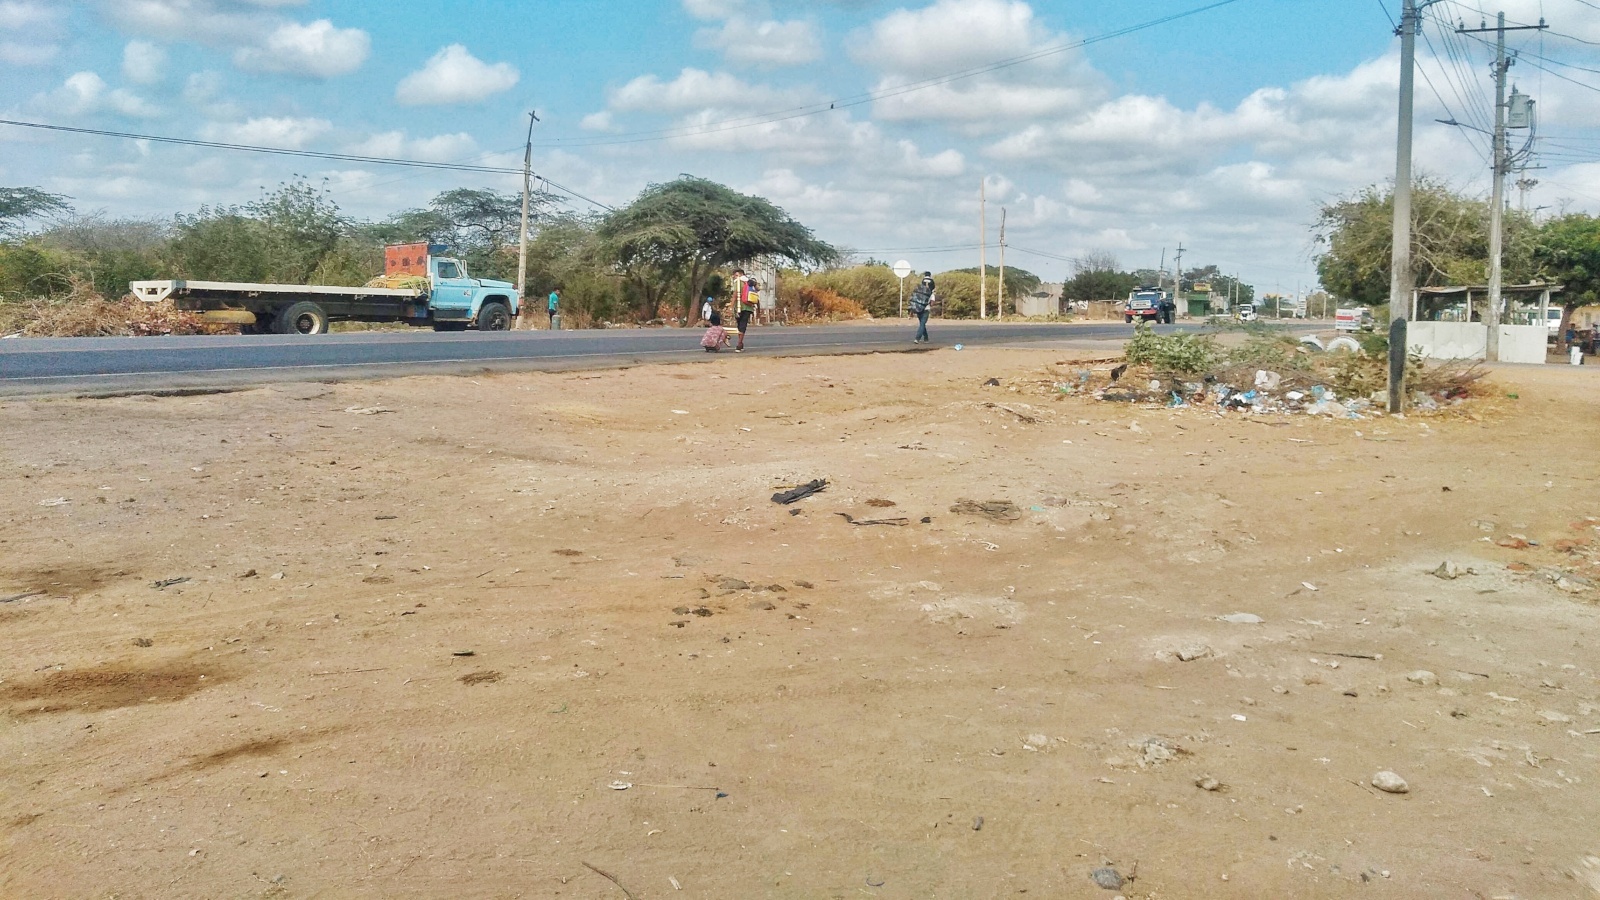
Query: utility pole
(1177, 279)
(983, 251)
(1501, 165)
(1401, 278)
(1000, 306)
(527, 194)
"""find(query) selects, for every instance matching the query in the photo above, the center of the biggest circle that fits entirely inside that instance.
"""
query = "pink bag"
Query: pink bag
(715, 337)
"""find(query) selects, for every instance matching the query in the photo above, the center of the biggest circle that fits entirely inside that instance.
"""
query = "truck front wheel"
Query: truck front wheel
(304, 317)
(494, 316)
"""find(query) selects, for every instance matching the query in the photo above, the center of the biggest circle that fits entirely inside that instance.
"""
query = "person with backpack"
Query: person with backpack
(921, 302)
(746, 298)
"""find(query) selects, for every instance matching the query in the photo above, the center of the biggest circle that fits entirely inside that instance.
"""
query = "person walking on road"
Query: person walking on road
(747, 296)
(921, 303)
(554, 307)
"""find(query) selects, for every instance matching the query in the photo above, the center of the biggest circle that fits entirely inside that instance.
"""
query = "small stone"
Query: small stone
(804, 584)
(1108, 878)
(760, 605)
(1484, 525)
(733, 584)
(1194, 652)
(1390, 783)
(1242, 619)
(1573, 584)
(1550, 715)
(262, 773)
(1447, 570)
(1423, 677)
(1208, 784)
(143, 642)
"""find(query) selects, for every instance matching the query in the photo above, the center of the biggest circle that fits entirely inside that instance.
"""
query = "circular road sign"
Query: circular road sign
(902, 269)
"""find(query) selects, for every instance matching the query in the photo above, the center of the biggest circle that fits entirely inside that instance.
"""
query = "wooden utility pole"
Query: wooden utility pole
(527, 196)
(983, 251)
(1000, 306)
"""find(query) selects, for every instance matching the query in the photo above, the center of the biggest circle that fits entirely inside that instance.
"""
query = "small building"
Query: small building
(1044, 300)
(1447, 322)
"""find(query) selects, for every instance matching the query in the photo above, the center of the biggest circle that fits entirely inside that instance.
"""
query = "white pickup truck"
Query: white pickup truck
(418, 287)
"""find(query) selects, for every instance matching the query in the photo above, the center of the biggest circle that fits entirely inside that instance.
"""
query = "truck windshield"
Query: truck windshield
(449, 269)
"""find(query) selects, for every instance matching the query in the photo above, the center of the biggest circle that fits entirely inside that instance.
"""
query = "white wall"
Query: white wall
(1469, 340)
(1523, 343)
(1447, 340)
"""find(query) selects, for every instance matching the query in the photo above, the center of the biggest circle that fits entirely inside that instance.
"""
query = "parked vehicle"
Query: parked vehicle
(1353, 319)
(1149, 304)
(1247, 313)
(418, 287)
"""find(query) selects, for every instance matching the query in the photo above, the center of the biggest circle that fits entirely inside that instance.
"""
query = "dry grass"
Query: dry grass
(810, 304)
(84, 313)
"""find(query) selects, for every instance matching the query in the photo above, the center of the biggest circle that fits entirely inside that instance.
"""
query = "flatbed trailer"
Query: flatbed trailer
(446, 299)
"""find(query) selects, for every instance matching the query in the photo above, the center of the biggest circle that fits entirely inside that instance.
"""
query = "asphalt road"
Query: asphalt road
(34, 366)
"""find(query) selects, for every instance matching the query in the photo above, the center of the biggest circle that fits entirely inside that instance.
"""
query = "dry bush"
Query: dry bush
(812, 304)
(84, 313)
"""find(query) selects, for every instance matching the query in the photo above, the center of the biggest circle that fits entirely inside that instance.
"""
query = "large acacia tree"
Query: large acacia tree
(683, 231)
(1449, 233)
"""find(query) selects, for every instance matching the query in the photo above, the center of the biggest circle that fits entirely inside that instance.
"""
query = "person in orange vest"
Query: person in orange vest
(746, 299)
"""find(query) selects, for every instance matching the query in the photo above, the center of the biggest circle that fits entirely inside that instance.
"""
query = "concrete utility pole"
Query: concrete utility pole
(1501, 164)
(983, 251)
(1401, 279)
(527, 194)
(1000, 304)
(1177, 280)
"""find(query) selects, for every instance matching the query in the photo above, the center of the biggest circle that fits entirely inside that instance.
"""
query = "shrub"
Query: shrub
(1181, 354)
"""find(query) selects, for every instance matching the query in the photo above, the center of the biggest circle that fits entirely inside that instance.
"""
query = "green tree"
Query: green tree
(1097, 276)
(479, 225)
(680, 233)
(1018, 281)
(1567, 250)
(19, 205)
(1450, 237)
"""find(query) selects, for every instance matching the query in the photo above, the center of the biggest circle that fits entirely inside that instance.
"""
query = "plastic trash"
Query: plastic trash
(1268, 380)
(1422, 401)
(958, 347)
(1176, 401)
(1312, 340)
(1294, 396)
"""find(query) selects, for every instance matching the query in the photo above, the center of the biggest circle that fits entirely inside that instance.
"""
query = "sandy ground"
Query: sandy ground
(705, 694)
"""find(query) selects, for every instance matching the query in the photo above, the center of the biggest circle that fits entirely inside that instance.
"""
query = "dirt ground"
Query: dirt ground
(471, 637)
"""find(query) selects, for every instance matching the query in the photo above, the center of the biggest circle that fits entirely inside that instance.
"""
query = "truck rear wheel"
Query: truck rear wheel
(304, 317)
(1127, 319)
(494, 316)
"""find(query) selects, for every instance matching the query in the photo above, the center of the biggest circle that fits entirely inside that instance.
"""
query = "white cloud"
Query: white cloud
(32, 29)
(598, 121)
(315, 50)
(908, 46)
(18, 14)
(143, 62)
(287, 133)
(697, 89)
(948, 36)
(86, 93)
(397, 145)
(713, 9)
(27, 55)
(454, 75)
(205, 93)
(763, 44)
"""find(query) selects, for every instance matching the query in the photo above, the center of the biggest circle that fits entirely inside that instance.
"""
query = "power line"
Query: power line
(304, 154)
(814, 109)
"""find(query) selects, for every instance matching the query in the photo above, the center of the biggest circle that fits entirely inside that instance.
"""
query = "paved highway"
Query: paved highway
(32, 366)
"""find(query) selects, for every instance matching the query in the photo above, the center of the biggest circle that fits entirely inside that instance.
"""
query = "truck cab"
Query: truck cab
(455, 299)
(1149, 304)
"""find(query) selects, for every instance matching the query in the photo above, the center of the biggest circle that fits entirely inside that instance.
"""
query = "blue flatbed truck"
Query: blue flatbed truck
(419, 287)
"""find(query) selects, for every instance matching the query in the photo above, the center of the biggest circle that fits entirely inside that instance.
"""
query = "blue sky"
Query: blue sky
(1223, 130)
